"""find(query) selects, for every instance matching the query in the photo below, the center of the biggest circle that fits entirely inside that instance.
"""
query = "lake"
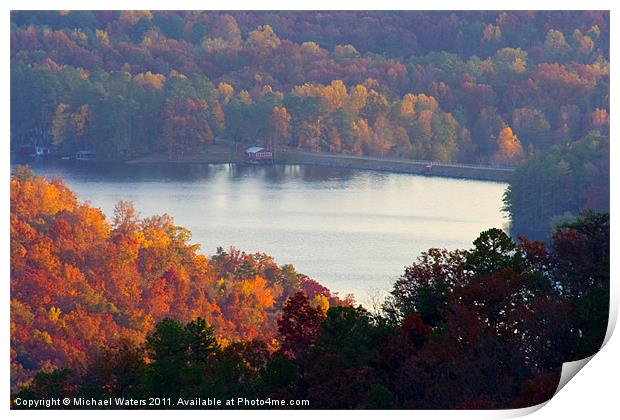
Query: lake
(352, 230)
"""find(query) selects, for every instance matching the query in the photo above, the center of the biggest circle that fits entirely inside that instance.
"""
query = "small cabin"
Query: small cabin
(85, 155)
(257, 154)
(42, 151)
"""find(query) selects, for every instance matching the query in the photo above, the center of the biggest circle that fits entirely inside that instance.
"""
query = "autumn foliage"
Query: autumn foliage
(80, 282)
(479, 87)
(128, 306)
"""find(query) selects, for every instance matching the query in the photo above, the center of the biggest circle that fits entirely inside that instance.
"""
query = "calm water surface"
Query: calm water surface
(353, 231)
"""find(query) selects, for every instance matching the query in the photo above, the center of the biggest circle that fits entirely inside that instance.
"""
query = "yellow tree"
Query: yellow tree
(509, 150)
(80, 120)
(279, 127)
(583, 42)
(59, 123)
(310, 48)
(152, 80)
(362, 136)
(225, 92)
(555, 43)
(334, 95)
(102, 37)
(245, 97)
(491, 33)
(407, 106)
(425, 102)
(382, 137)
(217, 118)
(263, 36)
(422, 131)
(321, 303)
(307, 89)
(356, 100)
(599, 120)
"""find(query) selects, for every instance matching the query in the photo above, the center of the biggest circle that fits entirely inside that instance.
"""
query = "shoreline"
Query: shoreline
(224, 153)
(458, 171)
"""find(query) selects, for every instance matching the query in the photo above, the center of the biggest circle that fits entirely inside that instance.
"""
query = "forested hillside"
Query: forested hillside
(80, 281)
(482, 87)
(554, 187)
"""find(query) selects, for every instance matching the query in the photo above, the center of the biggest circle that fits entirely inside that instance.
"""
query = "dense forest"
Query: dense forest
(480, 87)
(129, 308)
(552, 188)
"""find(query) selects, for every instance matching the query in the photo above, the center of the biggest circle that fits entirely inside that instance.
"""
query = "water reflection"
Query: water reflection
(352, 230)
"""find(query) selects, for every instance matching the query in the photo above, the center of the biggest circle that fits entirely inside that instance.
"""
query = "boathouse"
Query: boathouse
(257, 154)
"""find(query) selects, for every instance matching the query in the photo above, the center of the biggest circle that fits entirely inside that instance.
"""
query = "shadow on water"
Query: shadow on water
(190, 172)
